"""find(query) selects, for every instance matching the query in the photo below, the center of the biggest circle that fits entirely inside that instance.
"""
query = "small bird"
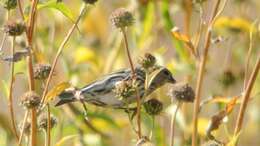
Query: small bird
(101, 92)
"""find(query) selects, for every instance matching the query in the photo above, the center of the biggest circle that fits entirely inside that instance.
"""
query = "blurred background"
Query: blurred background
(97, 49)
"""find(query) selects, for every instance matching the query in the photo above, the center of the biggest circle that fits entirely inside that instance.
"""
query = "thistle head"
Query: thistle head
(14, 28)
(41, 71)
(153, 106)
(43, 122)
(30, 100)
(183, 93)
(121, 18)
(125, 89)
(9, 4)
(147, 62)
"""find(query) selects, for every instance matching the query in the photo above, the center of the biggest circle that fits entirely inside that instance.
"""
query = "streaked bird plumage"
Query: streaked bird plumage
(101, 92)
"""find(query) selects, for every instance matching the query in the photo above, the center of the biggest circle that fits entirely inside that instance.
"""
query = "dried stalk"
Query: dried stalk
(246, 97)
(173, 123)
(138, 114)
(10, 98)
(23, 127)
(201, 74)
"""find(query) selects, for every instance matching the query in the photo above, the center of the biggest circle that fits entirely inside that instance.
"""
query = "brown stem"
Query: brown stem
(173, 123)
(138, 114)
(10, 103)
(23, 127)
(29, 33)
(246, 96)
(48, 132)
(66, 39)
(188, 13)
(21, 9)
(201, 75)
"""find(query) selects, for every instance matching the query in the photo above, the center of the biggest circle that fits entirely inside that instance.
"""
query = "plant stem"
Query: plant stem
(201, 74)
(64, 42)
(29, 34)
(48, 132)
(246, 96)
(10, 103)
(20, 9)
(138, 114)
(173, 123)
(23, 126)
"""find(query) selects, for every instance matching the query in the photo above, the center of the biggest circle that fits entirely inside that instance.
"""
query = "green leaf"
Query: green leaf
(61, 7)
(104, 117)
(62, 141)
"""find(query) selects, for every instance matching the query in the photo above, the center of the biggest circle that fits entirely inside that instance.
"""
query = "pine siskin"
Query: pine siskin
(102, 92)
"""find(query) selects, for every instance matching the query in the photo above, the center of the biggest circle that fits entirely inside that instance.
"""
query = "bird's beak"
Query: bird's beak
(172, 80)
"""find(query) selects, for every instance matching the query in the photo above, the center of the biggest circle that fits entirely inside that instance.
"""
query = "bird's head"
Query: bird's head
(161, 76)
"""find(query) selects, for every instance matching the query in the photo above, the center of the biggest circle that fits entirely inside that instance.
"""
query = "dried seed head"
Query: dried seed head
(27, 128)
(14, 28)
(30, 99)
(125, 89)
(183, 93)
(227, 79)
(90, 1)
(43, 122)
(121, 18)
(153, 106)
(148, 61)
(41, 71)
(10, 4)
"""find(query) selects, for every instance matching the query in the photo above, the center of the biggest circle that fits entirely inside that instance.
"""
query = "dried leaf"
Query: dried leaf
(18, 56)
(56, 91)
(181, 37)
(217, 119)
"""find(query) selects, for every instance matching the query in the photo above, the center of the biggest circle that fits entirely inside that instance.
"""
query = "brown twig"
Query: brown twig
(23, 127)
(10, 103)
(138, 114)
(201, 74)
(246, 96)
(64, 42)
(21, 9)
(48, 132)
(173, 123)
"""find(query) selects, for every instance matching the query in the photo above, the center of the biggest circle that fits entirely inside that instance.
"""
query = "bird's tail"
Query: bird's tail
(65, 97)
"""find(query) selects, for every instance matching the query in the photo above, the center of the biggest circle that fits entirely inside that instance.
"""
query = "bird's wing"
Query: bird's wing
(106, 83)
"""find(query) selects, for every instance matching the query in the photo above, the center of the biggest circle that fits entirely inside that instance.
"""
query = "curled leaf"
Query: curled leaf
(217, 119)
(56, 91)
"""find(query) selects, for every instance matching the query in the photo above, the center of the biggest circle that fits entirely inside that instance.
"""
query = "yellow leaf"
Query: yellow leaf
(234, 24)
(64, 139)
(231, 104)
(56, 91)
(83, 54)
(181, 37)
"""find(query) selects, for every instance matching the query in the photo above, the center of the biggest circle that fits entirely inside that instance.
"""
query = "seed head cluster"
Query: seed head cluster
(153, 106)
(148, 61)
(121, 18)
(14, 28)
(30, 100)
(183, 93)
(90, 1)
(41, 71)
(43, 122)
(10, 4)
(125, 89)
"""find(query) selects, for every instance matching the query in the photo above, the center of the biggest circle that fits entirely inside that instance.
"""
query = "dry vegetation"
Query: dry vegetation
(210, 46)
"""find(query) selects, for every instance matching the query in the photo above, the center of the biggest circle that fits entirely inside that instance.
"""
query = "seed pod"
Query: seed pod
(30, 100)
(121, 18)
(183, 93)
(27, 128)
(43, 122)
(153, 106)
(14, 28)
(148, 61)
(41, 71)
(124, 89)
(90, 1)
(10, 4)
